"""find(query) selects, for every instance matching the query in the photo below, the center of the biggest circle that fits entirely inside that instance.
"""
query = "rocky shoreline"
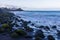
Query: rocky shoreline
(13, 27)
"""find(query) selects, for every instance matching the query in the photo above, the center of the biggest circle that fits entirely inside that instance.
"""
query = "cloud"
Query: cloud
(32, 4)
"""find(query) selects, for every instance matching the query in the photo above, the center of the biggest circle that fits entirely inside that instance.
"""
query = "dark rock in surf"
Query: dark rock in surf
(50, 37)
(27, 28)
(54, 27)
(41, 26)
(46, 28)
(39, 35)
(32, 24)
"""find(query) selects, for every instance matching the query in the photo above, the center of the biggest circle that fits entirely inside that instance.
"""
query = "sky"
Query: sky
(32, 4)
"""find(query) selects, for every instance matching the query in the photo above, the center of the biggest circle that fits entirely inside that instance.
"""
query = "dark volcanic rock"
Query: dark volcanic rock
(39, 35)
(41, 26)
(32, 24)
(50, 37)
(58, 33)
(27, 28)
(46, 28)
(54, 27)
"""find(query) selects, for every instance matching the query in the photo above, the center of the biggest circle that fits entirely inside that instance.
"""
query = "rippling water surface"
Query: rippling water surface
(42, 17)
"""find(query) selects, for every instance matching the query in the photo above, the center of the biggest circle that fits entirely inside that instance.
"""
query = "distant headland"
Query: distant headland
(12, 9)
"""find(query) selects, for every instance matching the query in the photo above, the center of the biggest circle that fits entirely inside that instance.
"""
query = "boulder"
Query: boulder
(50, 37)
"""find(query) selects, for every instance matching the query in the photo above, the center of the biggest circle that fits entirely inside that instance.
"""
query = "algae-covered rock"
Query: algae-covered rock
(21, 32)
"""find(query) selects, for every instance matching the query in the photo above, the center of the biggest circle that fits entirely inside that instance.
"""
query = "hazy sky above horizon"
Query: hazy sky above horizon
(33, 4)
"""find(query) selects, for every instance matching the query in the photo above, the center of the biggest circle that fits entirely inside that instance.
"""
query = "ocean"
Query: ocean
(46, 18)
(42, 17)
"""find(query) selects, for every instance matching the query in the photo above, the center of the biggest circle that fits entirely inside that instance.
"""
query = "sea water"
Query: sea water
(41, 17)
(46, 18)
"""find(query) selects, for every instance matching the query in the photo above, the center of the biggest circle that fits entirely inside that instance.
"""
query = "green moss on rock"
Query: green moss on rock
(21, 32)
(6, 27)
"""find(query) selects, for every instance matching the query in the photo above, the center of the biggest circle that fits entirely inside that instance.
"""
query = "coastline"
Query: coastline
(20, 29)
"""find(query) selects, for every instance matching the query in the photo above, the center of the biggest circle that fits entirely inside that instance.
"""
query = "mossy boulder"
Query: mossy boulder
(6, 27)
(21, 32)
